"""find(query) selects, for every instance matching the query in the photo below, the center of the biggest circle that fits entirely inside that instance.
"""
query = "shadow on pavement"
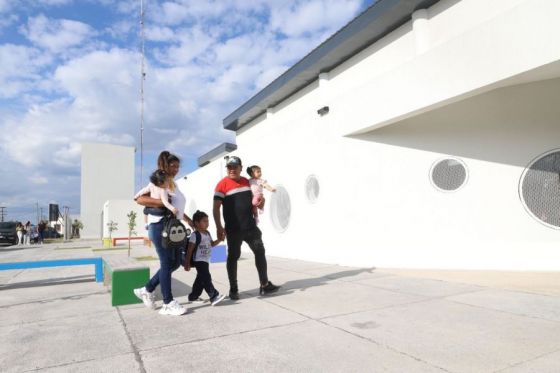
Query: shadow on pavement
(49, 282)
(304, 284)
(11, 248)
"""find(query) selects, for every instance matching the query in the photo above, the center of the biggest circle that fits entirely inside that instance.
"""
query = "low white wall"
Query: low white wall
(117, 210)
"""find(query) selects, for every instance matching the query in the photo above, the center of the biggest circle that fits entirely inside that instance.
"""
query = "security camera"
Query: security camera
(322, 111)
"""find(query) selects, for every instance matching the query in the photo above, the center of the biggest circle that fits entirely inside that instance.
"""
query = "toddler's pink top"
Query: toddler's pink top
(157, 193)
(257, 186)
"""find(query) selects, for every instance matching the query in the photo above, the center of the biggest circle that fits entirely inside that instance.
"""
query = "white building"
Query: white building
(423, 134)
(107, 174)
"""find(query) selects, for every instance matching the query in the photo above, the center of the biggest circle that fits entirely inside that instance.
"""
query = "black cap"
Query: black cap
(233, 161)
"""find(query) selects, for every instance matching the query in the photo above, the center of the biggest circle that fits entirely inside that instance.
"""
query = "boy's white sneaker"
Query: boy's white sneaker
(173, 308)
(146, 297)
(217, 299)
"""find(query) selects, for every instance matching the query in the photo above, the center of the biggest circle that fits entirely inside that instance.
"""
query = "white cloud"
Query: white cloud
(122, 28)
(307, 17)
(7, 20)
(76, 84)
(54, 34)
(5, 6)
(157, 33)
(53, 2)
(38, 179)
(21, 67)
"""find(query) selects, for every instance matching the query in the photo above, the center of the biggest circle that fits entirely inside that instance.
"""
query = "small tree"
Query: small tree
(112, 227)
(131, 225)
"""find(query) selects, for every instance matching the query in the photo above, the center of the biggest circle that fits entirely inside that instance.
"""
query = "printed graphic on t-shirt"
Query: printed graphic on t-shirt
(204, 250)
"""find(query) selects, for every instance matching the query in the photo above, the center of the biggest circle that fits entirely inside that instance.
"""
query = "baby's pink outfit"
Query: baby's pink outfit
(157, 193)
(257, 189)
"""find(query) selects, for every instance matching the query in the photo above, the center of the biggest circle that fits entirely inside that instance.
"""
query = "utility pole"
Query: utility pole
(66, 223)
(2, 213)
(38, 219)
(142, 78)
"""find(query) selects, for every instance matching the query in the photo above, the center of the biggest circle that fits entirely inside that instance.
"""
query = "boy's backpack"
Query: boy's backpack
(174, 234)
(198, 238)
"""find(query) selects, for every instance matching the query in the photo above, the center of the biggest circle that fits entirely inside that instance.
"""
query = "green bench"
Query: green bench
(124, 275)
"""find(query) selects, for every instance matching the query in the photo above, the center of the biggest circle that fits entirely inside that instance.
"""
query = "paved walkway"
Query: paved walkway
(325, 319)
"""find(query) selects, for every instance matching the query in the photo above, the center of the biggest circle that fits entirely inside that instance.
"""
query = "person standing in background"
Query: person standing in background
(27, 233)
(41, 230)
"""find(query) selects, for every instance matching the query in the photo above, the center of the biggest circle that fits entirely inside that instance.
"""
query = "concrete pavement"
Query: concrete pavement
(326, 318)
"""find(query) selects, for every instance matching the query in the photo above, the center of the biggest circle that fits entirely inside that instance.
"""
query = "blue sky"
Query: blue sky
(70, 73)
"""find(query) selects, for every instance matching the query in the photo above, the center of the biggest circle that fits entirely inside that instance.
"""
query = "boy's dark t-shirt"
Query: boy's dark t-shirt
(236, 197)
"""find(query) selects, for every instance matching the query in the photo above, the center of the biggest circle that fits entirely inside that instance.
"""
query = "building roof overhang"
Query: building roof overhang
(373, 24)
(215, 153)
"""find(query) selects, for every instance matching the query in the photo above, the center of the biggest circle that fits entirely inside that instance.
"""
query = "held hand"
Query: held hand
(191, 224)
(261, 203)
(187, 267)
(175, 211)
(221, 233)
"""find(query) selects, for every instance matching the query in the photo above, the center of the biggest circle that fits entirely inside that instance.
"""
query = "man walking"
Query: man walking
(234, 193)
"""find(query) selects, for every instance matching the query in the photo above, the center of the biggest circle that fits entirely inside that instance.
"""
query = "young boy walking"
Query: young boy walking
(199, 251)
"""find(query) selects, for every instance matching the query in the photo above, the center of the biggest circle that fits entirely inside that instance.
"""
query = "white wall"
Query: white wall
(116, 210)
(199, 188)
(461, 95)
(107, 173)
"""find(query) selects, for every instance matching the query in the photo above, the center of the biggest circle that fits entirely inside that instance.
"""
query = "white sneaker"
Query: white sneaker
(217, 299)
(172, 308)
(146, 297)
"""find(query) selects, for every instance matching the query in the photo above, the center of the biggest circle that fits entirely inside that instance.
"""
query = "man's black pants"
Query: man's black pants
(253, 237)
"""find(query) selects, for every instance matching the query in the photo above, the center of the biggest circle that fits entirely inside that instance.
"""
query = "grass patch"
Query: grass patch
(145, 258)
(114, 248)
(53, 240)
(73, 248)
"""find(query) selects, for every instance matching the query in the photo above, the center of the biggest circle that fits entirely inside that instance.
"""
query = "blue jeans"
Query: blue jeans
(169, 261)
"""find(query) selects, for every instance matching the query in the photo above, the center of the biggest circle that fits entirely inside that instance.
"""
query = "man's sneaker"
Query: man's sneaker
(217, 299)
(233, 295)
(173, 308)
(269, 289)
(146, 297)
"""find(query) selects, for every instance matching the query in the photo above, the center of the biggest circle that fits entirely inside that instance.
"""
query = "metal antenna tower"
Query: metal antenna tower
(142, 78)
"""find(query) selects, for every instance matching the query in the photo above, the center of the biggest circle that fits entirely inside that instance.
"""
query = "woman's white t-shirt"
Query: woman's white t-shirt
(178, 201)
(204, 250)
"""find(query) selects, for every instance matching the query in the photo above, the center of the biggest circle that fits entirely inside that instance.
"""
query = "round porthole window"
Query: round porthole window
(312, 188)
(539, 188)
(280, 209)
(448, 174)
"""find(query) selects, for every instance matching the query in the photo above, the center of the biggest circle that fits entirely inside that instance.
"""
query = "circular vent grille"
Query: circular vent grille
(312, 188)
(540, 189)
(448, 174)
(280, 209)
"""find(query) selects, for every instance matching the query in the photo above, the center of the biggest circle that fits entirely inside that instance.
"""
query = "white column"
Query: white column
(420, 29)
